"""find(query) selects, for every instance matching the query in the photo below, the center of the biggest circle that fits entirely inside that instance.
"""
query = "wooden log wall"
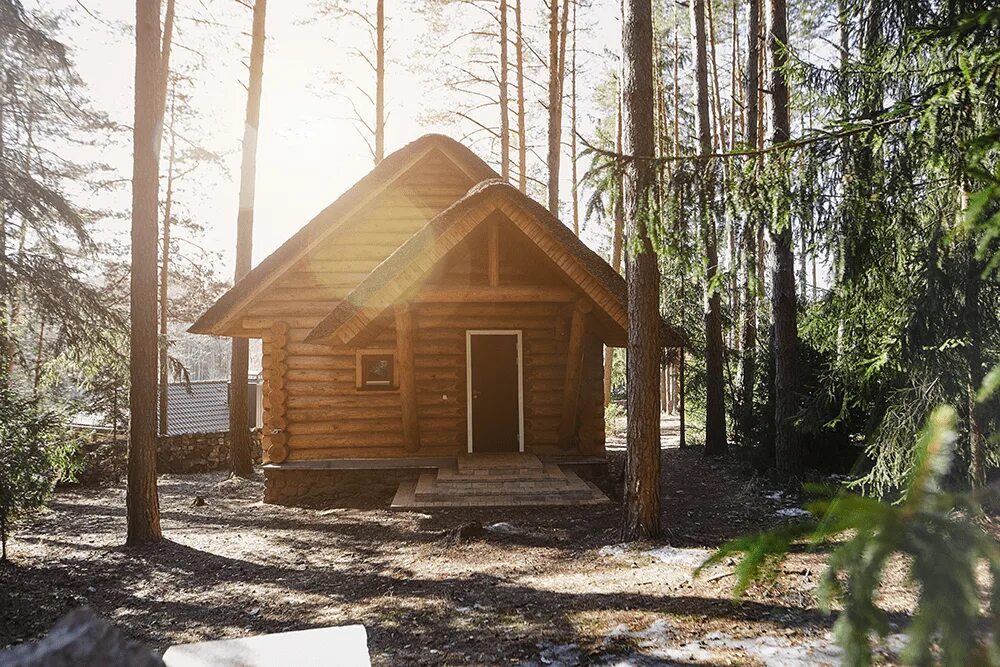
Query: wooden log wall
(274, 439)
(313, 408)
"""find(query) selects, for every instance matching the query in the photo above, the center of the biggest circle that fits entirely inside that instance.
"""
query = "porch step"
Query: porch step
(479, 462)
(498, 481)
(472, 475)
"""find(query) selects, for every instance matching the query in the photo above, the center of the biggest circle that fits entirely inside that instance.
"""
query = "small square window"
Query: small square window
(376, 370)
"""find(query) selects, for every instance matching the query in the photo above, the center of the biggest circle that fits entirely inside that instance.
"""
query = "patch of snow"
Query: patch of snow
(556, 655)
(777, 495)
(675, 556)
(780, 650)
(504, 528)
(614, 550)
(792, 512)
(666, 554)
(655, 635)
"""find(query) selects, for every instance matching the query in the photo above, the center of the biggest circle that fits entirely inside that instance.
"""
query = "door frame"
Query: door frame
(469, 333)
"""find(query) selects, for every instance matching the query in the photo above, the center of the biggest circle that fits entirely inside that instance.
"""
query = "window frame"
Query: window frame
(360, 382)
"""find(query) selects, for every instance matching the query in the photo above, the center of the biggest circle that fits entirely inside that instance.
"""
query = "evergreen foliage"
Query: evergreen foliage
(935, 530)
(31, 452)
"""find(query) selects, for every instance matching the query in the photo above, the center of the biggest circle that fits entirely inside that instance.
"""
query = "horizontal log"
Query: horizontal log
(310, 349)
(463, 321)
(438, 348)
(525, 296)
(326, 258)
(322, 362)
(522, 310)
(308, 440)
(339, 376)
(280, 309)
(321, 388)
(304, 323)
(332, 293)
(373, 399)
(306, 269)
(340, 425)
(334, 269)
(341, 452)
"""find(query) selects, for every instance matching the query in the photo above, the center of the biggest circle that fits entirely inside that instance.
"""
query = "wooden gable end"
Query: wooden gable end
(541, 269)
(308, 289)
(325, 415)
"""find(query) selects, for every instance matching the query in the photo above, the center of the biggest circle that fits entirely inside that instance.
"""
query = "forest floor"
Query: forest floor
(540, 587)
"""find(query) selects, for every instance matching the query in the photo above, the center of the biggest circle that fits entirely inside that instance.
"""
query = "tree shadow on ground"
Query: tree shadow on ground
(274, 569)
(155, 592)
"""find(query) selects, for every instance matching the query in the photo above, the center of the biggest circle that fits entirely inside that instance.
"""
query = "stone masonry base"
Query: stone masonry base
(304, 486)
(298, 487)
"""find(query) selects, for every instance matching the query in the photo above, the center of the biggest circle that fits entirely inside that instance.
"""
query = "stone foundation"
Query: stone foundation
(296, 486)
(372, 487)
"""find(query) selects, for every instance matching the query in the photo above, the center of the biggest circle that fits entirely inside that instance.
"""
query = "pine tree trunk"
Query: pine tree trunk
(6, 337)
(239, 419)
(522, 132)
(572, 131)
(720, 123)
(557, 61)
(734, 132)
(141, 500)
(379, 78)
(976, 416)
(788, 455)
(616, 249)
(504, 103)
(642, 465)
(165, 279)
(164, 77)
(748, 361)
(681, 386)
(715, 409)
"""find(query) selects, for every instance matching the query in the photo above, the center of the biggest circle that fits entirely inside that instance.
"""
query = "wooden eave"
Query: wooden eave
(222, 318)
(398, 279)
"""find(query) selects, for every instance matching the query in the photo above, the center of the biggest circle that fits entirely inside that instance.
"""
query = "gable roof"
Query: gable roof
(332, 217)
(398, 274)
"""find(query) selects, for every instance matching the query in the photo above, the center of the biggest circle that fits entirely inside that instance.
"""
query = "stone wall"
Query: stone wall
(197, 452)
(106, 460)
(368, 488)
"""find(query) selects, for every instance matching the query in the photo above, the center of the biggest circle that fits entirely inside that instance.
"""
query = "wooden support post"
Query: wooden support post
(407, 382)
(574, 367)
(493, 253)
(663, 388)
(670, 387)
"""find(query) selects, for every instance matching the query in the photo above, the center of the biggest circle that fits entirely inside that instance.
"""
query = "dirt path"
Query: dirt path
(545, 586)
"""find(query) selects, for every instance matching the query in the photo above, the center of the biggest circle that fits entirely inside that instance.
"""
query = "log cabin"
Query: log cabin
(431, 314)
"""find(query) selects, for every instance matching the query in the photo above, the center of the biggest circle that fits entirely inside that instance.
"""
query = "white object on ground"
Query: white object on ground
(504, 528)
(792, 512)
(690, 558)
(345, 646)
